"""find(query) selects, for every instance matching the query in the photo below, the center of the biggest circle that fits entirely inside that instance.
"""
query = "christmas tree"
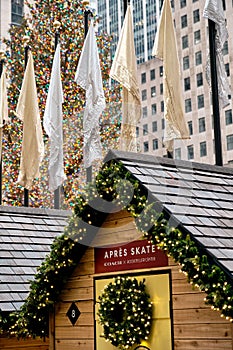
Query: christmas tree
(38, 25)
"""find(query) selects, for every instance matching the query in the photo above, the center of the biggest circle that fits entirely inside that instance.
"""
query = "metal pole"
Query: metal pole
(87, 12)
(126, 2)
(26, 49)
(1, 69)
(215, 99)
(57, 192)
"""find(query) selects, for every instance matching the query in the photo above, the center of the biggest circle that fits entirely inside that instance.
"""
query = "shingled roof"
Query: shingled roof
(199, 197)
(26, 235)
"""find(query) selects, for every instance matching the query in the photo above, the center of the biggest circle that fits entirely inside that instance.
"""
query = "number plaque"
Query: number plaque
(73, 313)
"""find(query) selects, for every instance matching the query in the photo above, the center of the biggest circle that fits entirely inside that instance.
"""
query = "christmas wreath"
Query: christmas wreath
(125, 312)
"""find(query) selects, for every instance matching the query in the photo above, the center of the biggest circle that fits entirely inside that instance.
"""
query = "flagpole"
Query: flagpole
(2, 54)
(57, 192)
(87, 12)
(215, 98)
(26, 49)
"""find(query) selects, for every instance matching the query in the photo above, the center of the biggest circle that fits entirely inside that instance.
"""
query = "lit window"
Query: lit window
(187, 84)
(228, 116)
(199, 79)
(153, 91)
(185, 42)
(155, 144)
(145, 129)
(201, 123)
(203, 149)
(190, 150)
(161, 71)
(188, 105)
(196, 16)
(197, 37)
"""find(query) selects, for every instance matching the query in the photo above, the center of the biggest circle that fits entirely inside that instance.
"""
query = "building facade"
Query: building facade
(145, 14)
(11, 12)
(192, 41)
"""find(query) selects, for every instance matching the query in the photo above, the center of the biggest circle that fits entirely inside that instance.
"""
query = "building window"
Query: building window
(185, 62)
(199, 79)
(144, 95)
(153, 109)
(201, 123)
(153, 91)
(198, 58)
(190, 127)
(17, 9)
(188, 105)
(184, 21)
(227, 68)
(145, 129)
(187, 84)
(144, 112)
(161, 71)
(228, 116)
(152, 74)
(154, 126)
(185, 42)
(161, 88)
(203, 149)
(225, 48)
(155, 144)
(197, 37)
(200, 101)
(146, 146)
(182, 3)
(229, 142)
(137, 131)
(143, 78)
(162, 106)
(196, 16)
(163, 123)
(177, 153)
(190, 150)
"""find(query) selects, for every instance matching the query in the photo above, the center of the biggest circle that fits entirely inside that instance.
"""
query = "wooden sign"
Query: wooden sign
(131, 256)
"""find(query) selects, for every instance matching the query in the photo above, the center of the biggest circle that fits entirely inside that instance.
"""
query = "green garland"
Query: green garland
(114, 184)
(125, 312)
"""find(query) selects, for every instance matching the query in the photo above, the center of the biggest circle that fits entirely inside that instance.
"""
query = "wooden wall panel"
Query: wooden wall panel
(196, 325)
(27, 344)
